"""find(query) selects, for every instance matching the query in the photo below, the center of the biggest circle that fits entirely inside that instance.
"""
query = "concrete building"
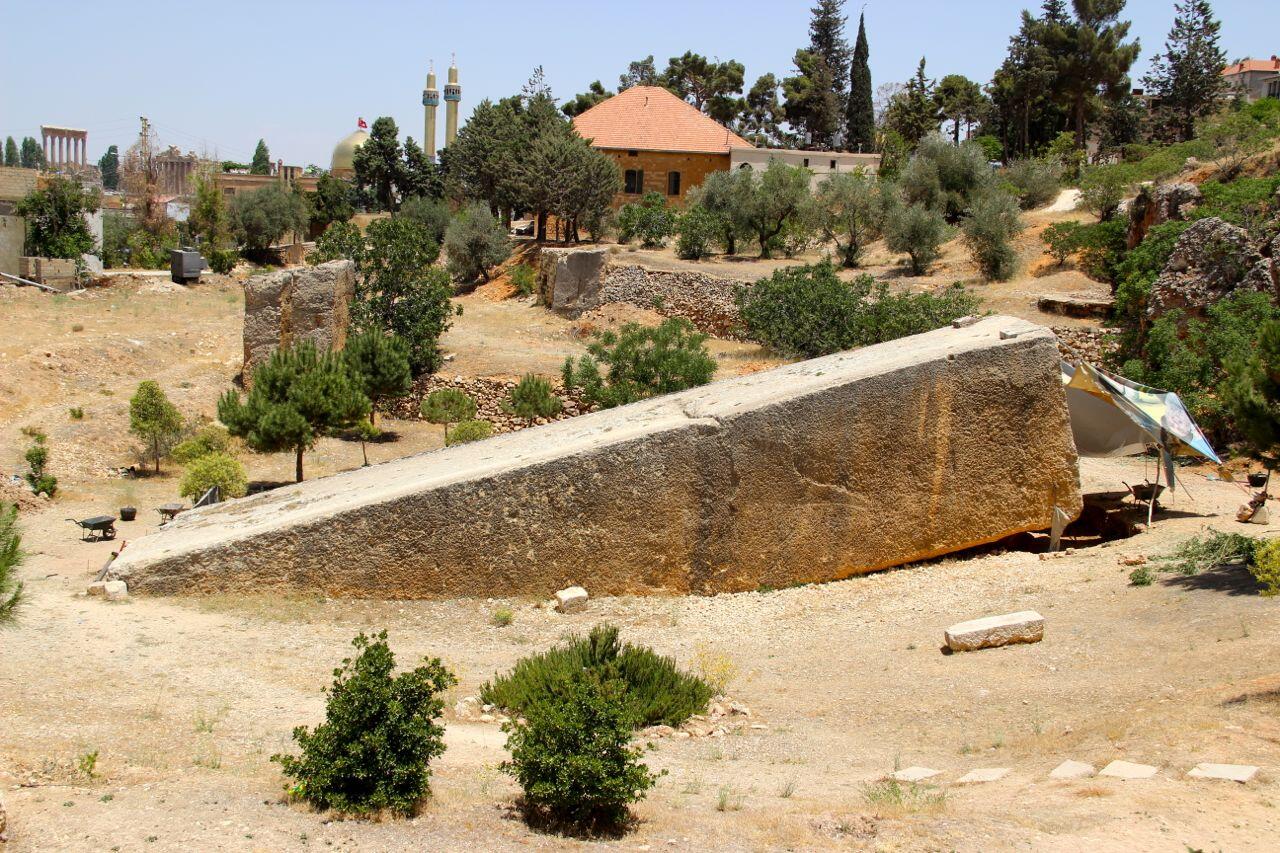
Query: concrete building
(234, 183)
(64, 147)
(15, 185)
(820, 163)
(1255, 78)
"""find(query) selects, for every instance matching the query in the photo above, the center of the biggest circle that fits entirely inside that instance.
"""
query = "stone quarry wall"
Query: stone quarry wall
(289, 306)
(814, 471)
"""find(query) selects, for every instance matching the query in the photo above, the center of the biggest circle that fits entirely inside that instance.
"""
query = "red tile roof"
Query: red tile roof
(1246, 65)
(650, 118)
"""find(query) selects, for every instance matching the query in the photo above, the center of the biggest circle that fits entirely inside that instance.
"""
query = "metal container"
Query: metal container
(185, 265)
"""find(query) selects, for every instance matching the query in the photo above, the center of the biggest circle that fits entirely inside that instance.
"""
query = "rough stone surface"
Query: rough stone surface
(915, 774)
(1085, 344)
(1076, 306)
(819, 470)
(1211, 259)
(571, 599)
(1026, 626)
(709, 302)
(4, 820)
(1158, 205)
(115, 590)
(490, 396)
(1073, 770)
(1227, 772)
(570, 280)
(98, 588)
(1129, 770)
(983, 774)
(294, 305)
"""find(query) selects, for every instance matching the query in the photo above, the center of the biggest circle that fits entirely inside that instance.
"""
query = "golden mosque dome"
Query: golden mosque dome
(344, 153)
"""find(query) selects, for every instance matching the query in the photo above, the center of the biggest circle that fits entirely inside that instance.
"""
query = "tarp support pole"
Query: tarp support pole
(1151, 507)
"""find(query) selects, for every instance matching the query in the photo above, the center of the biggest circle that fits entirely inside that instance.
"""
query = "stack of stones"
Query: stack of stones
(489, 396)
(708, 301)
(1085, 343)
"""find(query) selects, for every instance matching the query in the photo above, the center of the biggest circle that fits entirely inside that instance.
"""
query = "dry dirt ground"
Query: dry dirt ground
(184, 700)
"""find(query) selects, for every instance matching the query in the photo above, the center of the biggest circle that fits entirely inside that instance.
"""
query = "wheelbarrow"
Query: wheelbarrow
(102, 525)
(1144, 493)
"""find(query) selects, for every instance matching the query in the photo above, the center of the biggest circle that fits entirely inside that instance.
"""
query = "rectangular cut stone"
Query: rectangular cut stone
(1129, 770)
(1026, 626)
(814, 471)
(915, 774)
(1228, 772)
(983, 774)
(284, 308)
(1072, 770)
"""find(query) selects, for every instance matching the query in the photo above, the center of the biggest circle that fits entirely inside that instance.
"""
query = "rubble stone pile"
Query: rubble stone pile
(489, 394)
(1211, 259)
(706, 300)
(1087, 343)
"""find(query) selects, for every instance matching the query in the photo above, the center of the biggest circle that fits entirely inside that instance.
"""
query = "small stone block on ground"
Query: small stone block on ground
(115, 590)
(1129, 770)
(983, 774)
(1073, 770)
(1026, 626)
(98, 588)
(571, 600)
(1229, 772)
(914, 774)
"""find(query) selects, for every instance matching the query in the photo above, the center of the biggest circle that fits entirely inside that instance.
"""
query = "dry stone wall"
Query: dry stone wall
(294, 305)
(809, 472)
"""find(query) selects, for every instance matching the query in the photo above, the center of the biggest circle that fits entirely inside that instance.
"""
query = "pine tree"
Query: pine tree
(154, 419)
(811, 104)
(11, 556)
(11, 156)
(826, 39)
(261, 164)
(913, 113)
(860, 117)
(110, 167)
(1092, 58)
(297, 397)
(1187, 77)
(379, 363)
(379, 165)
(960, 100)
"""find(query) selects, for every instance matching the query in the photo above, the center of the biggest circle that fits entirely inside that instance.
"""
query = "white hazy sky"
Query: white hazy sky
(216, 76)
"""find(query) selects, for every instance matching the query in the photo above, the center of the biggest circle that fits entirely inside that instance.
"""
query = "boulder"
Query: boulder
(571, 600)
(115, 590)
(1157, 205)
(97, 588)
(1211, 259)
(571, 279)
(983, 774)
(813, 471)
(1026, 626)
(303, 304)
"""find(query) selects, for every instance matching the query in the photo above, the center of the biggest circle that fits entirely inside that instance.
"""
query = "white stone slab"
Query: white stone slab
(982, 774)
(1072, 770)
(1230, 772)
(571, 600)
(914, 774)
(116, 590)
(1026, 626)
(1129, 770)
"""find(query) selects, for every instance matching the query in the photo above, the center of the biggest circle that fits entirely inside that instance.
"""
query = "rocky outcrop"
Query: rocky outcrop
(1157, 205)
(1211, 259)
(569, 280)
(708, 301)
(809, 472)
(293, 305)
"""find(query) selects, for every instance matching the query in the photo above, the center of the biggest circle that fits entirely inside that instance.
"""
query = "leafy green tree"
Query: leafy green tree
(945, 177)
(154, 419)
(563, 175)
(468, 431)
(261, 218)
(697, 228)
(333, 201)
(380, 734)
(993, 220)
(56, 223)
(379, 364)
(379, 164)
(1093, 58)
(762, 115)
(642, 72)
(31, 154)
(1026, 112)
(482, 161)
(209, 438)
(650, 219)
(210, 220)
(860, 115)
(1187, 77)
(960, 101)
(583, 101)
(1036, 182)
(1061, 240)
(11, 556)
(37, 458)
(109, 165)
(641, 362)
(810, 101)
(917, 231)
(1251, 394)
(448, 406)
(475, 243)
(532, 398)
(850, 213)
(572, 756)
(11, 156)
(214, 469)
(341, 240)
(1102, 189)
(710, 86)
(400, 290)
(261, 164)
(913, 113)
(775, 197)
(420, 177)
(725, 195)
(297, 396)
(431, 213)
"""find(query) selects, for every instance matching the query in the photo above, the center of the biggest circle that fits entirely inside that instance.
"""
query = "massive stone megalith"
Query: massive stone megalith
(818, 470)
(293, 305)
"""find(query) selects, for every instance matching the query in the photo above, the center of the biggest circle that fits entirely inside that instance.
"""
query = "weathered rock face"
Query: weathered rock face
(570, 279)
(1158, 205)
(814, 471)
(708, 301)
(289, 306)
(1211, 259)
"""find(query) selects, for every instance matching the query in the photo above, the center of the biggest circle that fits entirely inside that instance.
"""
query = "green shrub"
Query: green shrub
(76, 413)
(37, 457)
(502, 616)
(1101, 247)
(475, 243)
(1035, 182)
(992, 147)
(11, 556)
(524, 279)
(468, 431)
(655, 690)
(641, 362)
(1134, 275)
(1142, 576)
(448, 406)
(989, 228)
(808, 311)
(1101, 191)
(1265, 566)
(1061, 240)
(262, 217)
(533, 398)
(944, 177)
(379, 736)
(698, 229)
(209, 438)
(572, 756)
(1213, 549)
(214, 469)
(1247, 202)
(918, 232)
(223, 261)
(431, 213)
(650, 220)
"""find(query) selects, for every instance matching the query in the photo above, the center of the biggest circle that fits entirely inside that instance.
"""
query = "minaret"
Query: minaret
(452, 94)
(430, 100)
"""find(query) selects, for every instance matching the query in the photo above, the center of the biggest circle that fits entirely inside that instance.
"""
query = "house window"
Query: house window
(633, 153)
(633, 181)
(833, 165)
(673, 183)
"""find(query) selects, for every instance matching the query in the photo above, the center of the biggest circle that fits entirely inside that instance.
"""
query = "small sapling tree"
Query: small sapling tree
(379, 363)
(154, 419)
(533, 398)
(448, 406)
(11, 556)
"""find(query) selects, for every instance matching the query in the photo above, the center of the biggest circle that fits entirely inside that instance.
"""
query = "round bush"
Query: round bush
(214, 469)
(469, 431)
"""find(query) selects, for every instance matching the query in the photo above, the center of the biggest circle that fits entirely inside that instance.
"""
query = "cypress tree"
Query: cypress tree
(110, 167)
(261, 164)
(299, 395)
(861, 115)
(1187, 77)
(31, 155)
(11, 156)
